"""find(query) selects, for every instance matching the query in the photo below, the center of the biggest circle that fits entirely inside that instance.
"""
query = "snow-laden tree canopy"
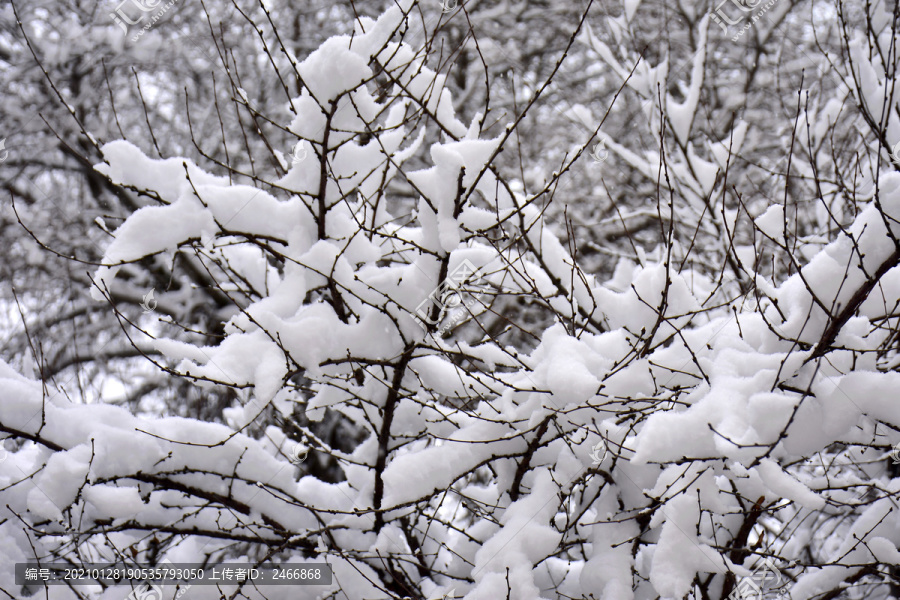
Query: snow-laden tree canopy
(666, 432)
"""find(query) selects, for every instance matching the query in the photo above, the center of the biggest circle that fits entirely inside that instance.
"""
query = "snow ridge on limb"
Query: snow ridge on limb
(657, 433)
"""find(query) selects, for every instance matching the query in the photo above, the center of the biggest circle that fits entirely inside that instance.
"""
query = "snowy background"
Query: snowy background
(486, 300)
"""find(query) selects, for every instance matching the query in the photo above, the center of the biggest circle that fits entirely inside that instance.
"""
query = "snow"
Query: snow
(785, 486)
(694, 389)
(680, 555)
(681, 116)
(521, 522)
(331, 68)
(631, 7)
(771, 223)
(460, 453)
(115, 502)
